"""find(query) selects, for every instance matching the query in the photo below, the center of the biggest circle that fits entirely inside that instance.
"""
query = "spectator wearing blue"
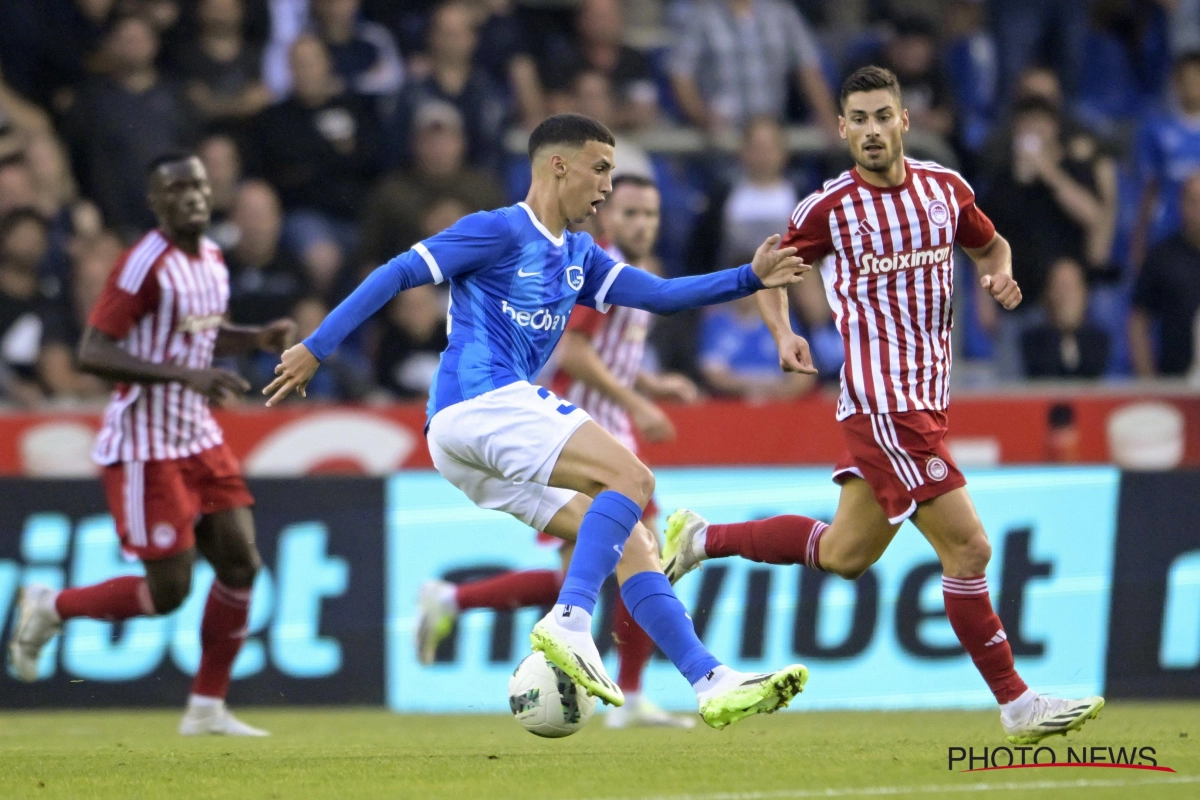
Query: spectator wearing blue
(738, 357)
(363, 52)
(1167, 153)
(453, 77)
(734, 60)
(971, 61)
(816, 324)
(1166, 297)
(1067, 345)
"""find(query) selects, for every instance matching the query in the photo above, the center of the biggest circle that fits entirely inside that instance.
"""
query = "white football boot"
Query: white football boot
(684, 547)
(1032, 717)
(436, 613)
(575, 653)
(37, 623)
(211, 717)
(638, 712)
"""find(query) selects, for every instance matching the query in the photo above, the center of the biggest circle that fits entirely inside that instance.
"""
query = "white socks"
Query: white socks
(200, 701)
(573, 618)
(698, 542)
(711, 679)
(1017, 708)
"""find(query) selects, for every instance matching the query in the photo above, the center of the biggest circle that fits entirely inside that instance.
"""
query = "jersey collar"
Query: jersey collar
(558, 240)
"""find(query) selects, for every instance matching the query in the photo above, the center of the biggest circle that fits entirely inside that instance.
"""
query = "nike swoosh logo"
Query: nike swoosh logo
(523, 274)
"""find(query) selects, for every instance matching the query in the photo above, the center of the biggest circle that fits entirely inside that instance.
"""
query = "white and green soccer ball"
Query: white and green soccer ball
(546, 701)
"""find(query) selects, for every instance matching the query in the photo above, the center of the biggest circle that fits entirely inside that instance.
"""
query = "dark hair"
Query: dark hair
(868, 79)
(1034, 104)
(10, 221)
(640, 181)
(573, 129)
(1188, 58)
(915, 25)
(172, 157)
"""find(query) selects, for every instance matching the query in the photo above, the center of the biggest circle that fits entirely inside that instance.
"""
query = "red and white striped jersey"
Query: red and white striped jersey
(891, 284)
(165, 306)
(619, 338)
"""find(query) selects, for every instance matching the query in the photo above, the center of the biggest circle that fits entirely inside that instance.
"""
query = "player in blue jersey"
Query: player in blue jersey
(514, 275)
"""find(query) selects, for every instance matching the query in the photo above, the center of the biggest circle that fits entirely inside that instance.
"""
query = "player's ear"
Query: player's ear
(841, 126)
(904, 120)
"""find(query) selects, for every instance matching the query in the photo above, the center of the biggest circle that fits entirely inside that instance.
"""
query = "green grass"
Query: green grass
(368, 753)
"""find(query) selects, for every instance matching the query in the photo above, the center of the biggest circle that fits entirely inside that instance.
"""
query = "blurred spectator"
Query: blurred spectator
(972, 64)
(56, 199)
(44, 45)
(738, 357)
(1068, 346)
(16, 184)
(593, 97)
(411, 343)
(223, 163)
(19, 120)
(110, 152)
(453, 78)
(1166, 296)
(29, 320)
(289, 19)
(597, 46)
(344, 375)
(1062, 434)
(320, 150)
(265, 281)
(505, 54)
(758, 203)
(811, 305)
(222, 70)
(734, 60)
(363, 52)
(1167, 152)
(911, 52)
(1040, 31)
(391, 222)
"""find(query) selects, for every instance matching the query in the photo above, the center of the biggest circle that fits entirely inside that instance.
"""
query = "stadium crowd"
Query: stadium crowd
(337, 133)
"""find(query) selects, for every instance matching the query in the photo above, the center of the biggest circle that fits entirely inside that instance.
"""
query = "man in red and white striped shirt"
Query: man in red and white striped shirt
(172, 484)
(890, 225)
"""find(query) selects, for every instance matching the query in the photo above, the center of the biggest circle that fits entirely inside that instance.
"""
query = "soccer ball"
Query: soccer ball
(546, 701)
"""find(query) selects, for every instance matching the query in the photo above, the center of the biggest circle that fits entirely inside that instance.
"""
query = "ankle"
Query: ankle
(573, 618)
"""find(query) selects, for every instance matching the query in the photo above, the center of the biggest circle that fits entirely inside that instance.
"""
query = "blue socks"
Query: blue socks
(653, 604)
(602, 536)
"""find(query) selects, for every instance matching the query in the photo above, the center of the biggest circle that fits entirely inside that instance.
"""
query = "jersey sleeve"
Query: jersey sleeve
(587, 321)
(130, 293)
(974, 227)
(475, 241)
(599, 271)
(808, 230)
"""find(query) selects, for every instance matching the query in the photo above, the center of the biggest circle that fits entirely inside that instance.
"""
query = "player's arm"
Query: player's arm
(635, 288)
(994, 262)
(794, 354)
(99, 354)
(274, 337)
(579, 359)
(672, 386)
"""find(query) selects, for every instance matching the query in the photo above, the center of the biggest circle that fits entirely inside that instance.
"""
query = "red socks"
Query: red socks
(634, 648)
(978, 628)
(115, 599)
(787, 539)
(222, 632)
(509, 591)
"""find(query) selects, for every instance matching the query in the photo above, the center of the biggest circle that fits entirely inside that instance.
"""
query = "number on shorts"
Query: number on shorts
(564, 407)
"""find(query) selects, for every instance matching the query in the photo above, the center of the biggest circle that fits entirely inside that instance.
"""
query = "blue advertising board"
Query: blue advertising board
(880, 642)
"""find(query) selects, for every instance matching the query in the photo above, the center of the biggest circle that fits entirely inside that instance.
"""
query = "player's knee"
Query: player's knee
(641, 484)
(168, 593)
(240, 573)
(972, 557)
(851, 567)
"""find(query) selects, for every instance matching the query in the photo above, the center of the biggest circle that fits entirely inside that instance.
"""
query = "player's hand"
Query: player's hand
(1003, 288)
(677, 388)
(652, 423)
(277, 336)
(218, 385)
(794, 355)
(777, 267)
(296, 368)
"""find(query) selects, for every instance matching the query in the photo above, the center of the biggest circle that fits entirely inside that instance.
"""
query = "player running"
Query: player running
(515, 275)
(599, 369)
(891, 223)
(172, 484)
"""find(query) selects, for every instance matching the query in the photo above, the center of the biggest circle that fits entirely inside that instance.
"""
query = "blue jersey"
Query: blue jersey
(1168, 151)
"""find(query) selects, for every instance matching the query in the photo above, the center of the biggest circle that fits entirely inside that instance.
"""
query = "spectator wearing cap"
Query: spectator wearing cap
(320, 148)
(121, 121)
(222, 70)
(734, 60)
(1067, 345)
(1166, 297)
(392, 219)
(454, 78)
(363, 52)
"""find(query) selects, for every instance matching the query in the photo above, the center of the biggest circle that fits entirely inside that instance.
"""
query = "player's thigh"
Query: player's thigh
(953, 527)
(593, 460)
(169, 579)
(860, 531)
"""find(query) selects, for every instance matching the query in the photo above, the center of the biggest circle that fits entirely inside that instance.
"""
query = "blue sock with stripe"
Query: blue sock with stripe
(653, 604)
(601, 541)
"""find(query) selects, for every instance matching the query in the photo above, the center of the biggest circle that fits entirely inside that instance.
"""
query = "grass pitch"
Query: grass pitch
(369, 753)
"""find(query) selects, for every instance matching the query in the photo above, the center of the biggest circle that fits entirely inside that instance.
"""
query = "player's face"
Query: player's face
(873, 123)
(181, 196)
(630, 218)
(587, 181)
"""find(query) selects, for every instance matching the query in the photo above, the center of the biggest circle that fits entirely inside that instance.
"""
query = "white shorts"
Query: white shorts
(499, 448)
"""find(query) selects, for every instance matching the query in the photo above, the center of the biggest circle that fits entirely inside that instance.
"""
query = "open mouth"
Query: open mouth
(596, 205)
(873, 149)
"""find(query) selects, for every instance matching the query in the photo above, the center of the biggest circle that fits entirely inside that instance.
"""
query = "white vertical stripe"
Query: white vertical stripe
(890, 426)
(897, 466)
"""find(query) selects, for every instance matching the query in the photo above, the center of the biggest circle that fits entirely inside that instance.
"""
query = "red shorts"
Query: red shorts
(156, 503)
(650, 514)
(903, 457)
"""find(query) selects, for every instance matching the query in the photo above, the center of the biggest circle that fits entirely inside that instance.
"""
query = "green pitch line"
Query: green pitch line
(368, 753)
